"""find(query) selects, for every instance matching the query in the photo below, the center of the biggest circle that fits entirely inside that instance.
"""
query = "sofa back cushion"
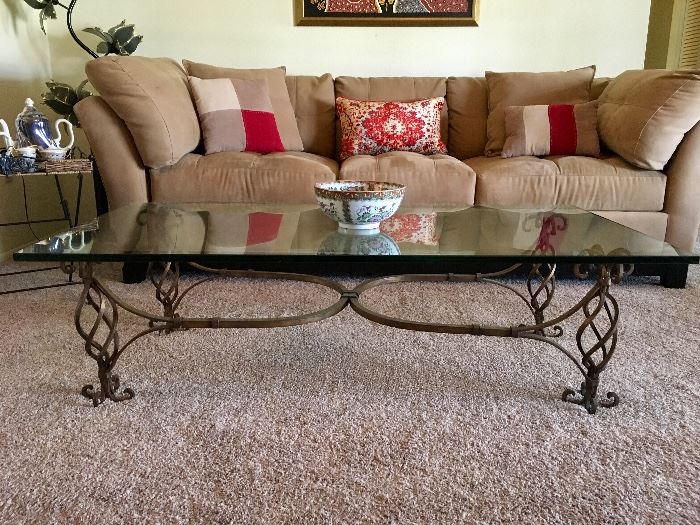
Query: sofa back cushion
(468, 106)
(277, 86)
(398, 89)
(527, 89)
(152, 97)
(644, 115)
(313, 100)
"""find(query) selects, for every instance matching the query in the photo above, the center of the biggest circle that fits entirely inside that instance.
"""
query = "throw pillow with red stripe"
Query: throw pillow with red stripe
(236, 115)
(558, 129)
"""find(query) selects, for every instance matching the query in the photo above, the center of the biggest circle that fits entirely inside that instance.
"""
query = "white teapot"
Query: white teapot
(33, 128)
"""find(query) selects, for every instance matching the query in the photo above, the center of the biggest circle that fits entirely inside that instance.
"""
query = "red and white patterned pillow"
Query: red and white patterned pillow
(372, 128)
(415, 228)
(236, 115)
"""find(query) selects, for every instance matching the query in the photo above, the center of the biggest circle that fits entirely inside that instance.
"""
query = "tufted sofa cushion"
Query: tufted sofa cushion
(242, 177)
(584, 182)
(434, 180)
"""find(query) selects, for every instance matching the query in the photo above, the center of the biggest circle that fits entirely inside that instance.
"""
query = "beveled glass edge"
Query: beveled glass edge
(681, 258)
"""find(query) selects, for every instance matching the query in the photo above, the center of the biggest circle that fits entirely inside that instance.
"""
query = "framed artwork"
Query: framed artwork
(386, 12)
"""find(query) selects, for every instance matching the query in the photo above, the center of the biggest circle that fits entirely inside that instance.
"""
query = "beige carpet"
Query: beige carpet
(346, 421)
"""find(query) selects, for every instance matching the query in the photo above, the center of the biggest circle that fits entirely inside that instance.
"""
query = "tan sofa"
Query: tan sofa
(665, 205)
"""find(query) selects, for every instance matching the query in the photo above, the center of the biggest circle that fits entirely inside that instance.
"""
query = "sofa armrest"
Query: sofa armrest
(682, 202)
(121, 168)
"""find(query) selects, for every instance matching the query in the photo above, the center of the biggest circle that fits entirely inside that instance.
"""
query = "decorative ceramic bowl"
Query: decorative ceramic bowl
(359, 205)
(359, 242)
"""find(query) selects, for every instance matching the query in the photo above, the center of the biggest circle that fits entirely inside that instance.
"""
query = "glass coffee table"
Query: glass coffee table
(238, 240)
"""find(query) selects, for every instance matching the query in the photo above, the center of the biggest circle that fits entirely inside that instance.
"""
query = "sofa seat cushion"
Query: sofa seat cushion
(244, 177)
(589, 183)
(434, 180)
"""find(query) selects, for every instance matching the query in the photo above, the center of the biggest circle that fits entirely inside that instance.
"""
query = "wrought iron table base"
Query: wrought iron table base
(596, 337)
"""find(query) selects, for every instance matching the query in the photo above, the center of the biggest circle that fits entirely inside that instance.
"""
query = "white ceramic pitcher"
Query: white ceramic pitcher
(5, 134)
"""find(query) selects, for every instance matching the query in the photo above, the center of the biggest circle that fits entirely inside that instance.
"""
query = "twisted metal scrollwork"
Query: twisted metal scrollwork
(167, 284)
(600, 309)
(602, 315)
(618, 272)
(105, 351)
(541, 286)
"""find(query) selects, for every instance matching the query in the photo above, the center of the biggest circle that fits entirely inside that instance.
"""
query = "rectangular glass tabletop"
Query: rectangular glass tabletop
(244, 233)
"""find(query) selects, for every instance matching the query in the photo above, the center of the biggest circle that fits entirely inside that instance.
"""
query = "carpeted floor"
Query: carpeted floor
(345, 421)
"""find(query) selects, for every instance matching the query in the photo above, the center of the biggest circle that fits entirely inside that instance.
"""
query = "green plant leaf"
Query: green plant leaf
(99, 34)
(36, 4)
(82, 92)
(124, 34)
(67, 96)
(62, 98)
(102, 48)
(132, 44)
(47, 12)
(114, 29)
(61, 108)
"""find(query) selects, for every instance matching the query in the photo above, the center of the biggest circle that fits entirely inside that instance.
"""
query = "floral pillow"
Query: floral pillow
(415, 228)
(372, 128)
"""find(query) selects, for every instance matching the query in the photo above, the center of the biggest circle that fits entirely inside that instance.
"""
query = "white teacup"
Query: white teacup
(28, 152)
(53, 153)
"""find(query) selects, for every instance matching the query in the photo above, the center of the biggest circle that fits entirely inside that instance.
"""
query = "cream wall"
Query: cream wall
(514, 34)
(532, 35)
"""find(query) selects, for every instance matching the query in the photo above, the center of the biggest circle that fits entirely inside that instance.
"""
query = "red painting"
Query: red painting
(389, 12)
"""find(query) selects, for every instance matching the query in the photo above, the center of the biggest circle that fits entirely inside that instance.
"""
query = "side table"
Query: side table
(56, 170)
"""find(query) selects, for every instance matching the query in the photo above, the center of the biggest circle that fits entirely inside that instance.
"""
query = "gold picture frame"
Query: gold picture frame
(316, 18)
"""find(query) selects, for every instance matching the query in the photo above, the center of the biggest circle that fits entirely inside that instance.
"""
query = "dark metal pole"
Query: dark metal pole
(69, 22)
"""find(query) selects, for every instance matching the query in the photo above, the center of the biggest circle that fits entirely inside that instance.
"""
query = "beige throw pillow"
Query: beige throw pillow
(644, 115)
(279, 95)
(530, 89)
(152, 97)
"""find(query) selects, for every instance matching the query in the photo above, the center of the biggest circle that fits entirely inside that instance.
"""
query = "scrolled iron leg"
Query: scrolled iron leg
(109, 386)
(165, 277)
(541, 284)
(586, 396)
(602, 315)
(105, 351)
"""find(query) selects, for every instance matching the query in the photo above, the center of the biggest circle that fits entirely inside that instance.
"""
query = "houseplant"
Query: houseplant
(118, 40)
